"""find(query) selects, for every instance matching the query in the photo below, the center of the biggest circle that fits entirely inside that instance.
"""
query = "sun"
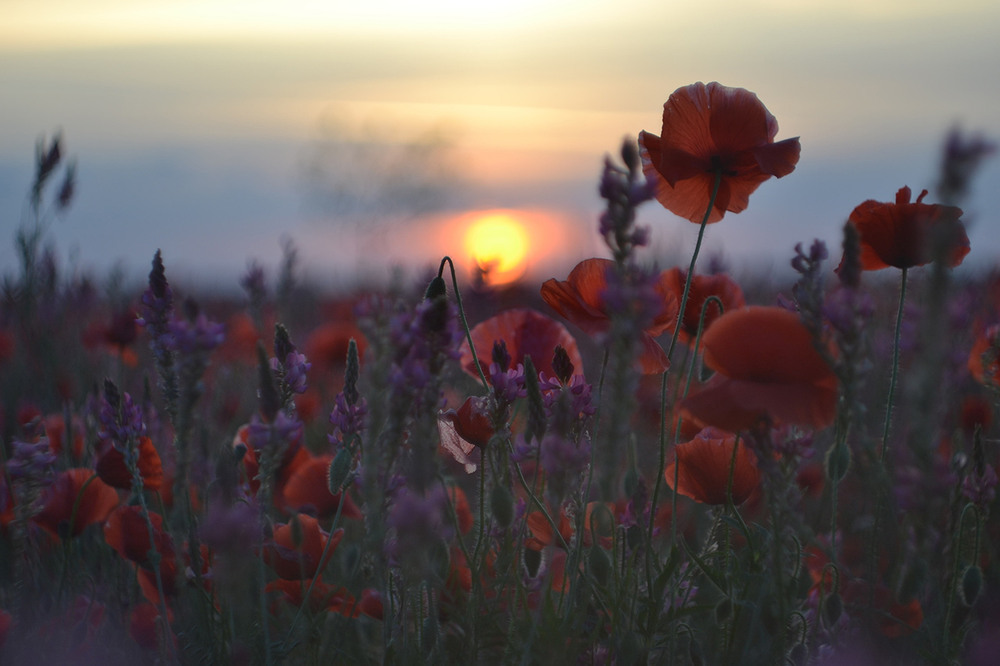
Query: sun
(498, 243)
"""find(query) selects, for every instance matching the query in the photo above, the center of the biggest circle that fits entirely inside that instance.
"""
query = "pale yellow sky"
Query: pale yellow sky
(531, 93)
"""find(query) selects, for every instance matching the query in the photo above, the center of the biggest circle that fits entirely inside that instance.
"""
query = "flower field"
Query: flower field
(626, 464)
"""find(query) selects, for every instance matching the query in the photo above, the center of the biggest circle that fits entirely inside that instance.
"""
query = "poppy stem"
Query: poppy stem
(670, 352)
(895, 368)
(461, 317)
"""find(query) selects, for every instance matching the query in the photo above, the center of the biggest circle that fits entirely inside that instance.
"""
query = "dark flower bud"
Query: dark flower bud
(849, 270)
(833, 607)
(66, 190)
(972, 584)
(600, 565)
(536, 405)
(112, 395)
(502, 506)
(630, 155)
(282, 343)
(158, 278)
(295, 525)
(838, 460)
(352, 373)
(340, 469)
(500, 354)
(436, 288)
(723, 610)
(532, 560)
(267, 392)
(561, 364)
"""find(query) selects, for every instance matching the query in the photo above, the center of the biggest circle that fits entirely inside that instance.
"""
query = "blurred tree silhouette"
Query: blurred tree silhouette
(373, 174)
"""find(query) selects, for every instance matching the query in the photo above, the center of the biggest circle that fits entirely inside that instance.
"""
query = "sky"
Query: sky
(375, 133)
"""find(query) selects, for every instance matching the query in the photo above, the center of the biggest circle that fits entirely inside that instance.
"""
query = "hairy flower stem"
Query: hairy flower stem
(670, 352)
(895, 368)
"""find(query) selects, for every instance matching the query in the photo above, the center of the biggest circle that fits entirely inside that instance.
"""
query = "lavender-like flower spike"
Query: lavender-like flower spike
(120, 417)
(624, 189)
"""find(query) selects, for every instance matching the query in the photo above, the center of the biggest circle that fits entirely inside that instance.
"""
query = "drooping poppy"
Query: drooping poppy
(307, 490)
(702, 288)
(526, 333)
(702, 468)
(580, 299)
(77, 498)
(899, 234)
(113, 471)
(464, 431)
(766, 367)
(709, 129)
(295, 562)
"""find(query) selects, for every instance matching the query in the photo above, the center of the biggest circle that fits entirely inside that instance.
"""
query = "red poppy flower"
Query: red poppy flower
(323, 597)
(127, 533)
(702, 468)
(462, 432)
(293, 562)
(580, 299)
(766, 367)
(527, 333)
(144, 625)
(984, 359)
(308, 490)
(294, 456)
(463, 512)
(702, 288)
(898, 234)
(709, 128)
(111, 466)
(76, 489)
(6, 620)
(55, 430)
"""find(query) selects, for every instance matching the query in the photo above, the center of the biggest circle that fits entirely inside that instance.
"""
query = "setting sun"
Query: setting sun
(498, 244)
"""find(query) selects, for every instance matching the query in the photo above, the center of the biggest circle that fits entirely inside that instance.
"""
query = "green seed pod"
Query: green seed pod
(502, 506)
(972, 584)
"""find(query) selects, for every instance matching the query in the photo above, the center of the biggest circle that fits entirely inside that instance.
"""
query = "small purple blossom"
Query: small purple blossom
(293, 371)
(31, 461)
(121, 419)
(347, 418)
(282, 431)
(980, 487)
(198, 335)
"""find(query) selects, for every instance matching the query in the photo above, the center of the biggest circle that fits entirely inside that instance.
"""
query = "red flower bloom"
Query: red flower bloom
(55, 430)
(308, 490)
(702, 288)
(708, 128)
(984, 359)
(702, 468)
(527, 333)
(324, 596)
(111, 466)
(78, 489)
(127, 533)
(296, 562)
(580, 299)
(897, 234)
(766, 366)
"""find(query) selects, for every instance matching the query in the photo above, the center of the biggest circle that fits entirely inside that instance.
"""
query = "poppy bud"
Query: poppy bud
(630, 155)
(849, 270)
(282, 343)
(600, 565)
(436, 288)
(532, 560)
(838, 460)
(502, 505)
(833, 606)
(340, 468)
(972, 584)
(536, 406)
(561, 364)
(799, 654)
(723, 610)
